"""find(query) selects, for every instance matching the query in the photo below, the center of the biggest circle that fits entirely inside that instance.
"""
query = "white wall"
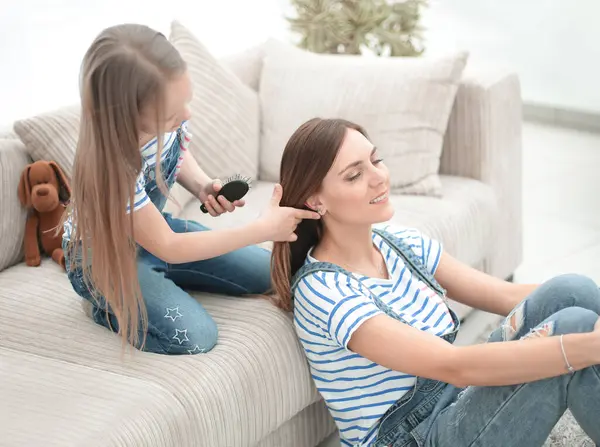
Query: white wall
(553, 44)
(42, 42)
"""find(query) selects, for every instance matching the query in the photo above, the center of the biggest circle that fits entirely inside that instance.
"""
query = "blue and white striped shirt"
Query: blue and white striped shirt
(330, 306)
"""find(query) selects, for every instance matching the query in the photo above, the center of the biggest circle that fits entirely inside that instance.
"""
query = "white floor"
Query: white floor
(561, 207)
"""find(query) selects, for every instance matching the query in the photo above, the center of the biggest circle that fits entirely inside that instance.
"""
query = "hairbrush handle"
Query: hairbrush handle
(203, 206)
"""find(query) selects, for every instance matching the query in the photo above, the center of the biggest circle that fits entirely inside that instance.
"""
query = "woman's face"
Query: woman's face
(356, 188)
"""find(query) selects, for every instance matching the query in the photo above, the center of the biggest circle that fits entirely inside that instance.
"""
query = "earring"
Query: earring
(320, 211)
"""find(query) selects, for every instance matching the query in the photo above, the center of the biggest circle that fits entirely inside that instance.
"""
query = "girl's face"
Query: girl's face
(356, 188)
(178, 97)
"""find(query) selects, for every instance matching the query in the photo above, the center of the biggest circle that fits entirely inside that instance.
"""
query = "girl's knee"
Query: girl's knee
(203, 339)
(179, 338)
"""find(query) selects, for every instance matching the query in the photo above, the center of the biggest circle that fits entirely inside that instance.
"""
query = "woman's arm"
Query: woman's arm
(400, 347)
(152, 232)
(477, 289)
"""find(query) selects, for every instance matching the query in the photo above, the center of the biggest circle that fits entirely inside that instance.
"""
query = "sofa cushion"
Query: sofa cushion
(403, 103)
(225, 111)
(52, 136)
(55, 402)
(13, 159)
(254, 380)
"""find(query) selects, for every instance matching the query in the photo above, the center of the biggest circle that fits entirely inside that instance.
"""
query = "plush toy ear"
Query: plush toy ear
(24, 190)
(64, 190)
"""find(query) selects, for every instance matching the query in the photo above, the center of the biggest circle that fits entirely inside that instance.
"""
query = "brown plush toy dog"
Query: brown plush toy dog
(45, 191)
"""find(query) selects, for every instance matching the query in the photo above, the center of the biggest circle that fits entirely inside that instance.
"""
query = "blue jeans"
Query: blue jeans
(518, 415)
(177, 323)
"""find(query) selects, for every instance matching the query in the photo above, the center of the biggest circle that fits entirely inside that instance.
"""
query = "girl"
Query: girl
(370, 310)
(126, 257)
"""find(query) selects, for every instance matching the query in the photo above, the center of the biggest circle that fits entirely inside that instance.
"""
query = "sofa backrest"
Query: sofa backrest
(13, 160)
(60, 129)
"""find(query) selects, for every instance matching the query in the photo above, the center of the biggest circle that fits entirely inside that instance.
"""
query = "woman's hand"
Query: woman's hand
(220, 205)
(279, 223)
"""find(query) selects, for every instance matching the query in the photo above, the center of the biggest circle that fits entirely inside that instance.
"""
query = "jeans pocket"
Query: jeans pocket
(426, 385)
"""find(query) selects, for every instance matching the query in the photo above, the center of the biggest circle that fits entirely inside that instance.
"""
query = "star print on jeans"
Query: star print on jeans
(196, 350)
(178, 335)
(173, 313)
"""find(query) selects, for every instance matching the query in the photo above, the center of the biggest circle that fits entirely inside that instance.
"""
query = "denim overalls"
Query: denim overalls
(178, 323)
(405, 423)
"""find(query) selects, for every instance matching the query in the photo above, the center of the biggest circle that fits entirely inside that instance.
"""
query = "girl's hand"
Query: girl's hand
(279, 223)
(220, 205)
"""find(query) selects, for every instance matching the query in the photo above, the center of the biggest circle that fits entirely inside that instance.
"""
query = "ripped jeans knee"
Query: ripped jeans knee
(543, 330)
(571, 320)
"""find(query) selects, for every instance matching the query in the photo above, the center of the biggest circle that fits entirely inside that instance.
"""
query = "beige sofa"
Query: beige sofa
(65, 383)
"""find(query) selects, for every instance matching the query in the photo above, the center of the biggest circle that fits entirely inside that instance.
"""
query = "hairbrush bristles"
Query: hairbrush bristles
(239, 177)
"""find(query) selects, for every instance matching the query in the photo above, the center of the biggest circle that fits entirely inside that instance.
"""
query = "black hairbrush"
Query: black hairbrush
(234, 188)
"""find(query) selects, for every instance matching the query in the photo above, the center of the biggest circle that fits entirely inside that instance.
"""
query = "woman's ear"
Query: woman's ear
(64, 190)
(315, 204)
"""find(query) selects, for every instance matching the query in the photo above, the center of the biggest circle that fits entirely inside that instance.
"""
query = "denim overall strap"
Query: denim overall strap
(412, 261)
(416, 267)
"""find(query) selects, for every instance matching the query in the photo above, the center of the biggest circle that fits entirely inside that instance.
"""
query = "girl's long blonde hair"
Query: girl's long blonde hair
(124, 73)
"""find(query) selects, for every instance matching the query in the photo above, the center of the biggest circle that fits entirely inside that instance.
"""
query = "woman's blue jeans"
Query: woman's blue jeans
(524, 415)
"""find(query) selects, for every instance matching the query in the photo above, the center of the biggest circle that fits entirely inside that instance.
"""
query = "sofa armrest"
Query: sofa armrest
(483, 141)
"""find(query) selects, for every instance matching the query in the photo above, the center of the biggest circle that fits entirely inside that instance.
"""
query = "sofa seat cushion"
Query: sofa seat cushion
(47, 401)
(251, 383)
(462, 219)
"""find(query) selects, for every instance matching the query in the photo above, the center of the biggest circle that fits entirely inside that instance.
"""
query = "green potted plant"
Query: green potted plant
(382, 27)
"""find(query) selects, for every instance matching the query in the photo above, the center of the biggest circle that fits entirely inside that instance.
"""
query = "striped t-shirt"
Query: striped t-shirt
(330, 306)
(147, 174)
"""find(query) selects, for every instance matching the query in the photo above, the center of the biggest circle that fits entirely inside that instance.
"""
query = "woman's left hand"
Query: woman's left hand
(220, 205)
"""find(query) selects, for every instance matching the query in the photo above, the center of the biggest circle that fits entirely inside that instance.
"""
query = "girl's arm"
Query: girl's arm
(191, 176)
(153, 233)
(400, 347)
(477, 289)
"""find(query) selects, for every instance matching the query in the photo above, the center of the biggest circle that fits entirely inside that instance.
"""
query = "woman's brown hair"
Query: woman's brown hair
(307, 158)
(124, 74)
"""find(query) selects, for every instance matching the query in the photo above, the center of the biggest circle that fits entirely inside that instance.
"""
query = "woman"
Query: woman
(370, 310)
